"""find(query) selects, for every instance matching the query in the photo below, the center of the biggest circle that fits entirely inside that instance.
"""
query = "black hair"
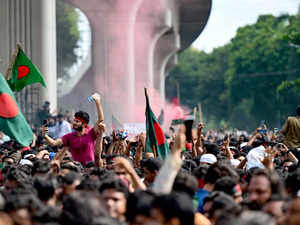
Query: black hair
(41, 166)
(70, 167)
(225, 184)
(83, 115)
(88, 184)
(15, 174)
(175, 205)
(218, 170)
(89, 164)
(212, 149)
(80, 208)
(200, 171)
(185, 183)
(70, 177)
(276, 184)
(221, 201)
(138, 203)
(45, 187)
(152, 164)
(292, 183)
(102, 173)
(116, 184)
(189, 165)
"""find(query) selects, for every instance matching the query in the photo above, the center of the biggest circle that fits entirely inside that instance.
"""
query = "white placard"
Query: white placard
(134, 128)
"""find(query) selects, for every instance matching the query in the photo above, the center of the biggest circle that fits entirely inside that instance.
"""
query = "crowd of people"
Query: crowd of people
(77, 174)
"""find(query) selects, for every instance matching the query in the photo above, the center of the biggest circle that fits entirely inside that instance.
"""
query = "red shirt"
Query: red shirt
(81, 147)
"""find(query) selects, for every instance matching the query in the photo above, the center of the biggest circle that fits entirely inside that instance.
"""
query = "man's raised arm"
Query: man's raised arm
(51, 141)
(97, 99)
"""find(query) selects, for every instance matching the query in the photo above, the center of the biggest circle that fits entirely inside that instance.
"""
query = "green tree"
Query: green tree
(67, 35)
(252, 78)
(260, 60)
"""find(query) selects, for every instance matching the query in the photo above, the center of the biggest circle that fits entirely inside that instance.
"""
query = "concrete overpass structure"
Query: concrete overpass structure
(134, 44)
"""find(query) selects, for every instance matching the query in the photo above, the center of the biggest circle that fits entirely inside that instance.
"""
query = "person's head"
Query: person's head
(185, 183)
(41, 168)
(286, 164)
(43, 154)
(51, 121)
(14, 177)
(81, 120)
(218, 170)
(262, 185)
(216, 203)
(150, 168)
(292, 183)
(298, 110)
(293, 212)
(70, 181)
(22, 205)
(81, 208)
(173, 209)
(230, 187)
(60, 118)
(46, 105)
(69, 166)
(211, 149)
(45, 188)
(114, 193)
(200, 173)
(8, 160)
(138, 207)
(275, 208)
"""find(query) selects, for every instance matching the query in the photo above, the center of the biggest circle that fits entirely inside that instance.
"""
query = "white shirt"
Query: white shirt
(62, 128)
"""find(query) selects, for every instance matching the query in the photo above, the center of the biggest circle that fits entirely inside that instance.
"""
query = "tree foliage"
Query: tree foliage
(240, 82)
(67, 35)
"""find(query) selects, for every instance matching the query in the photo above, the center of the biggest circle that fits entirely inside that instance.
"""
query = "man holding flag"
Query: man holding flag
(155, 141)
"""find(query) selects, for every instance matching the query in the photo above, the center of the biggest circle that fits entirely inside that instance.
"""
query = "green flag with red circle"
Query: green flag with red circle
(156, 142)
(24, 72)
(12, 121)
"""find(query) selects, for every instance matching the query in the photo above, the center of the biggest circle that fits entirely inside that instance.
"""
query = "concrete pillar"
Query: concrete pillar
(166, 48)
(48, 49)
(153, 21)
(112, 71)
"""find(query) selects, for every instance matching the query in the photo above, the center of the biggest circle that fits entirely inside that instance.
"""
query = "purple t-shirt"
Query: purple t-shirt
(81, 147)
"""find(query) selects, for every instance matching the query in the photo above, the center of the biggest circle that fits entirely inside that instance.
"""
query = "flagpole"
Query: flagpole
(200, 112)
(12, 61)
(195, 113)
(154, 151)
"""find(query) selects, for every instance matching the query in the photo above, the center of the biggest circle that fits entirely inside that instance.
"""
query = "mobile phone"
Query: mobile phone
(45, 123)
(262, 127)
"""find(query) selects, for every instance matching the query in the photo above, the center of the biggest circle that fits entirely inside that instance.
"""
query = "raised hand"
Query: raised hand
(102, 127)
(96, 97)
(44, 130)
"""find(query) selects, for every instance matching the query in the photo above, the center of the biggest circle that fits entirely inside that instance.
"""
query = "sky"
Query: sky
(228, 15)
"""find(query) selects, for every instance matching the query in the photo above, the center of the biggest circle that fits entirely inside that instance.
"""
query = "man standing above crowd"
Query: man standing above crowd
(81, 141)
(291, 130)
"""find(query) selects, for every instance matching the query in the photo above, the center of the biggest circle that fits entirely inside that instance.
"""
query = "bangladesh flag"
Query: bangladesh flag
(155, 139)
(12, 121)
(24, 72)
